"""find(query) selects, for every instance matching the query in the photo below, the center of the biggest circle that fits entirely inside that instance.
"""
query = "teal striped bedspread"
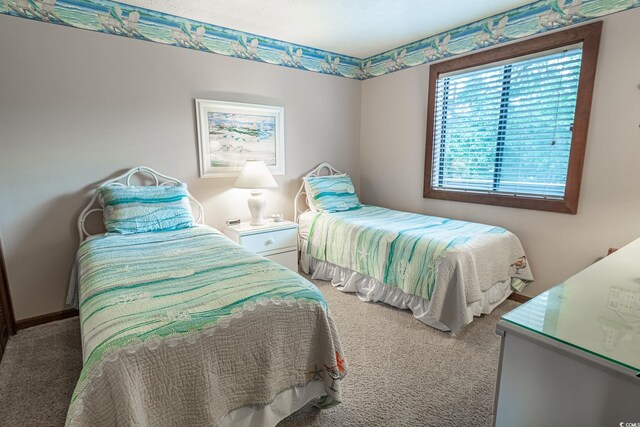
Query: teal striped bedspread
(185, 326)
(418, 253)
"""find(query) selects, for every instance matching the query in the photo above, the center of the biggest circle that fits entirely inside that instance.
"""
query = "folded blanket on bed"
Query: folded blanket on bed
(422, 255)
(182, 327)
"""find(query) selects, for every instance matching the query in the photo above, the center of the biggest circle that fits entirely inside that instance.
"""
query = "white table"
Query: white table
(274, 240)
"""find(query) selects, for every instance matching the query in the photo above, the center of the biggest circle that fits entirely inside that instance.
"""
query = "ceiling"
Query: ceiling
(359, 28)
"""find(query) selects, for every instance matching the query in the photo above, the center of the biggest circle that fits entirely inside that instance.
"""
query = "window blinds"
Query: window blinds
(506, 129)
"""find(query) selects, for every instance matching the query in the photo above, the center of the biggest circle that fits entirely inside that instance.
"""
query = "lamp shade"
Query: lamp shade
(255, 174)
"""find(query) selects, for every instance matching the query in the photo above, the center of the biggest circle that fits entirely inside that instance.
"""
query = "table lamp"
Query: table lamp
(255, 176)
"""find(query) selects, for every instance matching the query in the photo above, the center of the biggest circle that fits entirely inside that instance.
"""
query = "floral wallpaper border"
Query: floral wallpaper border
(524, 21)
(111, 17)
(115, 18)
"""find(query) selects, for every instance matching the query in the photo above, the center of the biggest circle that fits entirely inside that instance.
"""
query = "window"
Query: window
(508, 126)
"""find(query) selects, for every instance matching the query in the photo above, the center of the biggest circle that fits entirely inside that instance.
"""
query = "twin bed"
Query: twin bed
(181, 326)
(444, 271)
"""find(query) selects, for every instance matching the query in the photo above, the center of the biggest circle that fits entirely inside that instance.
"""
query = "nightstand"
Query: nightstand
(277, 241)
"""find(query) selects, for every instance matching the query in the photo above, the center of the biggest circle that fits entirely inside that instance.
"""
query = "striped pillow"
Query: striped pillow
(332, 193)
(133, 209)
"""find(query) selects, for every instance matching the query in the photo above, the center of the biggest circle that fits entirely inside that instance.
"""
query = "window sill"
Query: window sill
(562, 206)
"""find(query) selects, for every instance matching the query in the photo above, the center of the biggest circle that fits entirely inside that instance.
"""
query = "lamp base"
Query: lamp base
(257, 205)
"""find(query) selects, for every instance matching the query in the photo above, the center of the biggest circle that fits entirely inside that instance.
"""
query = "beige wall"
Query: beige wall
(558, 245)
(77, 106)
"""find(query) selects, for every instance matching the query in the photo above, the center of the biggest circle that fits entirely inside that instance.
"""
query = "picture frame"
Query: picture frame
(230, 133)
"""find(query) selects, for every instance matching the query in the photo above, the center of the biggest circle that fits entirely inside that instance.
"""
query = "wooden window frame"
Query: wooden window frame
(589, 36)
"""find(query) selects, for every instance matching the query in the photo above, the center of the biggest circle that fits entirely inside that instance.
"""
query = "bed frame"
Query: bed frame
(330, 170)
(125, 180)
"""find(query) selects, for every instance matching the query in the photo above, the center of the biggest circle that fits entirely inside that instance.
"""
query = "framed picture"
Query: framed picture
(230, 133)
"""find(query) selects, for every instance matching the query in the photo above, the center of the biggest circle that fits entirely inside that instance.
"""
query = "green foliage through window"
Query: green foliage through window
(507, 128)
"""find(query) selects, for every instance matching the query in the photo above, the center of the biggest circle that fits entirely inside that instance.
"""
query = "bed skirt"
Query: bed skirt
(369, 289)
(285, 403)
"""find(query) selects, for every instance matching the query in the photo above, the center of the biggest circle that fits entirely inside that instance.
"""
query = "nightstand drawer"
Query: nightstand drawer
(287, 259)
(273, 240)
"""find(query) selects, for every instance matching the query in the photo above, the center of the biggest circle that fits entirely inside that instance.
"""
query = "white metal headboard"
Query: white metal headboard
(301, 192)
(125, 180)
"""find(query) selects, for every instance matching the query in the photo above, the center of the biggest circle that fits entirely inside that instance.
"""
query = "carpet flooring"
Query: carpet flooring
(402, 373)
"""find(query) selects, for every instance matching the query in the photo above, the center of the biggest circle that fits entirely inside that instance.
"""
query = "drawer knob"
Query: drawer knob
(269, 242)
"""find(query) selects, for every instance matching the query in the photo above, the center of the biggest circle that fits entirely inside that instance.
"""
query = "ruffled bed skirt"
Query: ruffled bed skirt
(284, 404)
(369, 289)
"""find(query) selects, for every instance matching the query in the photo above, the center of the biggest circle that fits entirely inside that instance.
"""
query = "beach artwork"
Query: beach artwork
(229, 134)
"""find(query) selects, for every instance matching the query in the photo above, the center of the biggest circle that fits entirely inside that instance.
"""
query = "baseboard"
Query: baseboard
(71, 312)
(4, 337)
(46, 318)
(519, 298)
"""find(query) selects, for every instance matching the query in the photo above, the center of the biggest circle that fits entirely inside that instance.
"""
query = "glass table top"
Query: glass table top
(597, 310)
